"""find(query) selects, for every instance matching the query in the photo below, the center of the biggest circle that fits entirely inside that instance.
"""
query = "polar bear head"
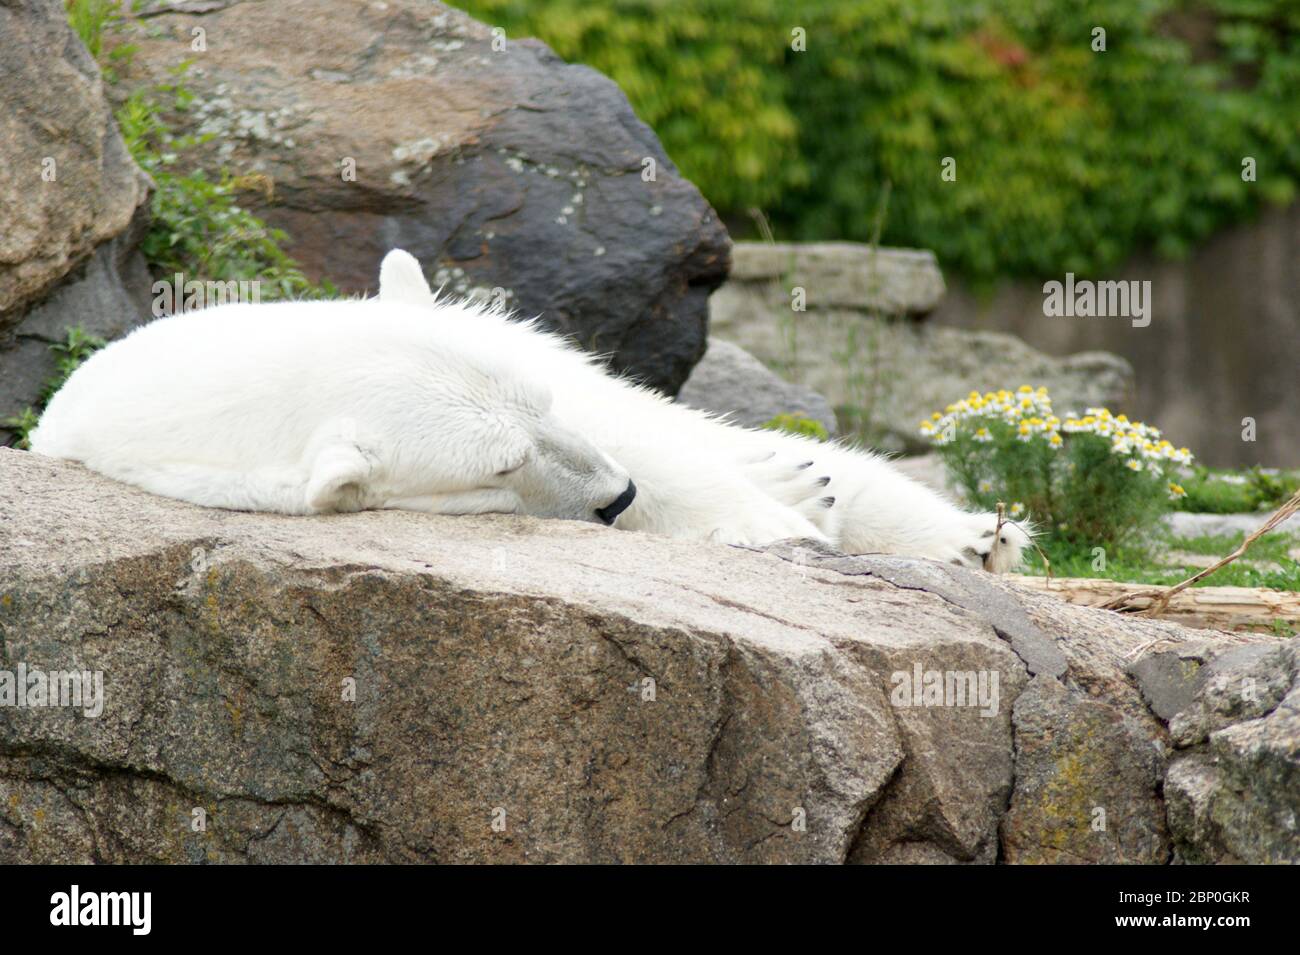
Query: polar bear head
(524, 459)
(520, 459)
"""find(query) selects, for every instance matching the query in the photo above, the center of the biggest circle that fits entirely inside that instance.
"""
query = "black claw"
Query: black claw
(823, 481)
(806, 464)
(827, 501)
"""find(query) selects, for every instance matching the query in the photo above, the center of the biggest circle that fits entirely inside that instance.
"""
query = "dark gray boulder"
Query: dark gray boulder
(505, 170)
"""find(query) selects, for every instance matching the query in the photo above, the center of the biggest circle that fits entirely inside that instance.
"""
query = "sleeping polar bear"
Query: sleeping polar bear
(413, 402)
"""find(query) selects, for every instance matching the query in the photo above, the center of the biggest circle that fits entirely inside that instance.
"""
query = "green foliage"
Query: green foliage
(798, 424)
(1266, 564)
(1066, 158)
(90, 19)
(1226, 492)
(68, 355)
(198, 228)
(707, 75)
(20, 427)
(1095, 481)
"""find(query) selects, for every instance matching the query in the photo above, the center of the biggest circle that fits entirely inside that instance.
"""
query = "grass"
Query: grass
(1144, 565)
(91, 19)
(1233, 492)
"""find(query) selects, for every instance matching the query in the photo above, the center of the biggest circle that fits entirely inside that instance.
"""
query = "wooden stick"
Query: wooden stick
(1160, 597)
(1217, 608)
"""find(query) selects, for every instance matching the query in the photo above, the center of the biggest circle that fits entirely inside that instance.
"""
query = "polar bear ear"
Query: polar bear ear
(402, 280)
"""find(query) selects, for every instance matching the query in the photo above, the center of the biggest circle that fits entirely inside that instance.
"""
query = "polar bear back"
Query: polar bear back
(258, 379)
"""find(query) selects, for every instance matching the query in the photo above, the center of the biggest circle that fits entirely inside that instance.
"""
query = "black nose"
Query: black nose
(618, 505)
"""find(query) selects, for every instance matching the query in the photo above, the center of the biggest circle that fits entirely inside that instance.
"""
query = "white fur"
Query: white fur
(412, 402)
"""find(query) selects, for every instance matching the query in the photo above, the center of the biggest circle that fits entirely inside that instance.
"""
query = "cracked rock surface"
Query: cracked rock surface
(402, 687)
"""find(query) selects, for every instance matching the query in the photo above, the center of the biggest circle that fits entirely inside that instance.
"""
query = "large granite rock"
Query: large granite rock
(72, 201)
(729, 380)
(508, 172)
(1233, 786)
(401, 687)
(882, 371)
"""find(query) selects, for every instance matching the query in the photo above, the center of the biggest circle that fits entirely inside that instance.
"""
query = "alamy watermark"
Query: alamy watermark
(922, 687)
(178, 295)
(32, 688)
(75, 907)
(1088, 299)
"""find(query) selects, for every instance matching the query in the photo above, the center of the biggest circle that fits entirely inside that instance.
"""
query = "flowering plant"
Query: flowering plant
(1094, 478)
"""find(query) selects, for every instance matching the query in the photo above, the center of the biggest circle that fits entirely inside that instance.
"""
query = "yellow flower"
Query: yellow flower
(1025, 390)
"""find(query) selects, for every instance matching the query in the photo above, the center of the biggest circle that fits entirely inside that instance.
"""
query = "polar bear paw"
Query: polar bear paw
(982, 544)
(765, 522)
(793, 480)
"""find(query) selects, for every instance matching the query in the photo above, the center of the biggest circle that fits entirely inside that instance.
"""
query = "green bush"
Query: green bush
(1096, 480)
(798, 424)
(1066, 159)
